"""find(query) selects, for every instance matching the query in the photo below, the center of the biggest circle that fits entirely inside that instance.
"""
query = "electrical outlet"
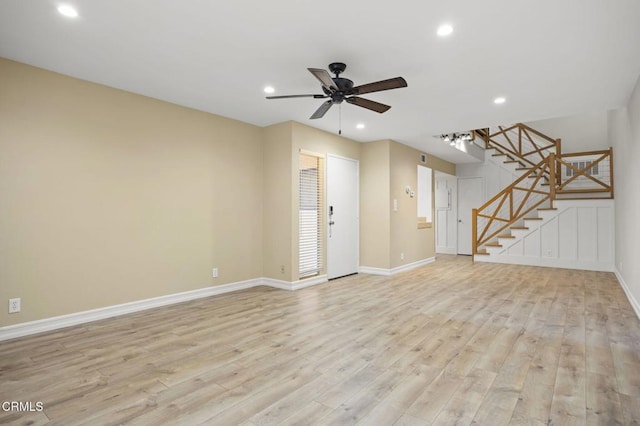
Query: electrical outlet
(282, 269)
(401, 256)
(214, 272)
(14, 305)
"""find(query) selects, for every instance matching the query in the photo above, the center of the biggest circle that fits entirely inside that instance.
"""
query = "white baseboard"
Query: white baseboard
(374, 271)
(54, 323)
(295, 285)
(547, 262)
(627, 291)
(393, 271)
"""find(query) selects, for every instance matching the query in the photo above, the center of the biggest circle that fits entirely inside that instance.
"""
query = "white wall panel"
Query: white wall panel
(605, 234)
(549, 238)
(587, 234)
(532, 244)
(568, 234)
(516, 249)
(579, 236)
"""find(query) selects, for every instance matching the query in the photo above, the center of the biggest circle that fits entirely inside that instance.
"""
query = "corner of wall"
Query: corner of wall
(277, 188)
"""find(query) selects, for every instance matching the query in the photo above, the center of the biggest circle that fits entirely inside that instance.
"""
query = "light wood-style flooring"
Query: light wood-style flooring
(448, 343)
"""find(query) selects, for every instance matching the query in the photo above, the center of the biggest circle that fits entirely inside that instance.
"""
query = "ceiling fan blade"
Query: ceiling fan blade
(297, 96)
(320, 112)
(378, 86)
(368, 104)
(324, 77)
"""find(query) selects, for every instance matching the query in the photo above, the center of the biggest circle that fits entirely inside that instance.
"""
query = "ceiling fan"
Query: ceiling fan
(339, 89)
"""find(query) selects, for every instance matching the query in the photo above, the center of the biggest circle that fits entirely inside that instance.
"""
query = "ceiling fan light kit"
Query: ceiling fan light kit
(338, 89)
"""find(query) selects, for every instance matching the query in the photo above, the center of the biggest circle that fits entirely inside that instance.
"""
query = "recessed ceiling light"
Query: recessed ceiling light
(269, 89)
(444, 30)
(360, 126)
(67, 11)
(499, 100)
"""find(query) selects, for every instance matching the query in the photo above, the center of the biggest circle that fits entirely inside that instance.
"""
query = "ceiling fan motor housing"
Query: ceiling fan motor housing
(337, 68)
(345, 88)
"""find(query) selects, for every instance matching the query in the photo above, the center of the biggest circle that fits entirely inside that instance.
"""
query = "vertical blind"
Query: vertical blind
(310, 215)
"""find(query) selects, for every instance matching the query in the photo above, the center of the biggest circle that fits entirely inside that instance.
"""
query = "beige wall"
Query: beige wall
(408, 243)
(277, 188)
(109, 197)
(389, 238)
(375, 231)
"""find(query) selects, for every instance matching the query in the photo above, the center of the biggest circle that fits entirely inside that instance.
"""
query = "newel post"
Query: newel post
(611, 170)
(474, 233)
(552, 178)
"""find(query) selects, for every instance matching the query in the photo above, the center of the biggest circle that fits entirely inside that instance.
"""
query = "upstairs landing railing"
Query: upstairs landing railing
(585, 174)
(521, 142)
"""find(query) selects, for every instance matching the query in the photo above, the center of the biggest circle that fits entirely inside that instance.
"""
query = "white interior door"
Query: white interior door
(343, 219)
(470, 196)
(446, 206)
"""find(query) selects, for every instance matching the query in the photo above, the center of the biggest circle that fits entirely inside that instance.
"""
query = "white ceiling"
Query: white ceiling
(549, 58)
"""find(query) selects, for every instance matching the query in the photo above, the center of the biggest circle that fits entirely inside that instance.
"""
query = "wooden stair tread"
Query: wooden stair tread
(520, 228)
(498, 155)
(532, 218)
(483, 252)
(506, 236)
(493, 245)
(547, 208)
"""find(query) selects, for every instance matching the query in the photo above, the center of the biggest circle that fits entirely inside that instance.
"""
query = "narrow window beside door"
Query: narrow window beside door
(310, 215)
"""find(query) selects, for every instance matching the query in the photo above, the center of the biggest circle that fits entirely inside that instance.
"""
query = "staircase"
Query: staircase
(527, 221)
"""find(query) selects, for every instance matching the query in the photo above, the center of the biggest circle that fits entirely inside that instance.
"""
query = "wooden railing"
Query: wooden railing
(513, 203)
(585, 173)
(522, 143)
(577, 174)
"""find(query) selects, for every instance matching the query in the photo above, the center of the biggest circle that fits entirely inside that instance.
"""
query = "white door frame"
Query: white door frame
(357, 204)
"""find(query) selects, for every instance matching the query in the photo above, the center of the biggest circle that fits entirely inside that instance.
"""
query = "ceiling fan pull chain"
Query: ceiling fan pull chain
(339, 119)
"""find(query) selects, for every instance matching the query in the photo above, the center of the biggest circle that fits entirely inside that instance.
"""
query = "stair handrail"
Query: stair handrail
(520, 147)
(518, 209)
(549, 168)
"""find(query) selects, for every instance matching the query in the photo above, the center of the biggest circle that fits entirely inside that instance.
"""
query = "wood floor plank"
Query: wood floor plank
(463, 405)
(603, 402)
(448, 343)
(309, 414)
